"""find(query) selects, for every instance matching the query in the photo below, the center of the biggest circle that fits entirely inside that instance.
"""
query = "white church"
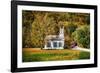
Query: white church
(55, 41)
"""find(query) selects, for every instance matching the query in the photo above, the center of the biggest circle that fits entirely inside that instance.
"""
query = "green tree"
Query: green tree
(82, 36)
(70, 28)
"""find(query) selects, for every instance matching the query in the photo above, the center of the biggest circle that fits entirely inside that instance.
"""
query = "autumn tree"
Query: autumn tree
(27, 19)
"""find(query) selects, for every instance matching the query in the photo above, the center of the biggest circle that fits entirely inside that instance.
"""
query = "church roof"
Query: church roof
(53, 37)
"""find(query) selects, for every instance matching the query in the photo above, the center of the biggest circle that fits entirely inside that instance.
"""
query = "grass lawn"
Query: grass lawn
(36, 54)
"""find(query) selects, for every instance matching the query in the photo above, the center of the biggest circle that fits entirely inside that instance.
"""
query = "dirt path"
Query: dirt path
(82, 49)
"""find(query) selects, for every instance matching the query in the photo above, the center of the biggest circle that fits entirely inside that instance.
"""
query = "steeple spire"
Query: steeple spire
(61, 32)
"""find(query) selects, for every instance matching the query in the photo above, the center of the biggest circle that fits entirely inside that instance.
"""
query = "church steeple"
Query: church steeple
(61, 32)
